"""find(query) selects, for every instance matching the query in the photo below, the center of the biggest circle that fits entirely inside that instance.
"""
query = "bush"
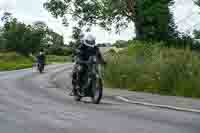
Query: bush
(155, 69)
(13, 61)
(58, 59)
(59, 51)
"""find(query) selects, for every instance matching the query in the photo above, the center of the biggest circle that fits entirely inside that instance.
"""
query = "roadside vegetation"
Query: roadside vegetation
(170, 67)
(15, 61)
(58, 59)
(150, 67)
(18, 41)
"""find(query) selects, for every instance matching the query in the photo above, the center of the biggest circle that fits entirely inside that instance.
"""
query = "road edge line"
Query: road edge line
(157, 105)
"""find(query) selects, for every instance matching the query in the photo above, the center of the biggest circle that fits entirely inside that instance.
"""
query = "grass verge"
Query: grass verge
(58, 59)
(151, 68)
(13, 61)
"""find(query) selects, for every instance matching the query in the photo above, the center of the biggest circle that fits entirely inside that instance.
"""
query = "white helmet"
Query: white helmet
(41, 53)
(89, 40)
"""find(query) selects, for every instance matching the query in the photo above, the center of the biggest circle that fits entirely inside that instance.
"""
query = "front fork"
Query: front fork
(87, 86)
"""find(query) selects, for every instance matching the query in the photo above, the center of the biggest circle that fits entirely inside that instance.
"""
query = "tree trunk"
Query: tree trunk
(138, 29)
(134, 7)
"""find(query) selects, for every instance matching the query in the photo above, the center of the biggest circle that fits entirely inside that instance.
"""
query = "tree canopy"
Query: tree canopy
(152, 18)
(26, 39)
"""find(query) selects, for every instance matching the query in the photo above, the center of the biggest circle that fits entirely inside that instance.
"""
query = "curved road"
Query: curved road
(32, 103)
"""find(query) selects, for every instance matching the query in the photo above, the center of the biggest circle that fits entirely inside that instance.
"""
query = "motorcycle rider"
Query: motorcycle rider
(86, 49)
(41, 58)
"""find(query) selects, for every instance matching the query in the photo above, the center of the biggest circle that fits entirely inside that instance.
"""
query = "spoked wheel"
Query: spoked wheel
(41, 71)
(40, 68)
(77, 96)
(76, 92)
(97, 90)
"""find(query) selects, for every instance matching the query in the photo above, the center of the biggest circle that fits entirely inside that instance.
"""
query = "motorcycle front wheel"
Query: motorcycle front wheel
(40, 68)
(97, 91)
(77, 97)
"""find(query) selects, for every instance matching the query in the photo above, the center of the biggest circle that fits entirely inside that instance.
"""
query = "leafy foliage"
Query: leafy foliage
(26, 39)
(197, 2)
(13, 61)
(152, 18)
(149, 67)
(196, 34)
(77, 36)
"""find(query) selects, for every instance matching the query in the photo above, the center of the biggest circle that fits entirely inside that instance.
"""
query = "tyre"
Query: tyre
(97, 91)
(41, 68)
(77, 97)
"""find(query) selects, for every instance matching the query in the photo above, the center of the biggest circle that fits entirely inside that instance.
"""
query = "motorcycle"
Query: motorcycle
(92, 85)
(40, 67)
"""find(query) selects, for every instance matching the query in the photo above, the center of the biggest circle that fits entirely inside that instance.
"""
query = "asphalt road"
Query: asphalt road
(31, 103)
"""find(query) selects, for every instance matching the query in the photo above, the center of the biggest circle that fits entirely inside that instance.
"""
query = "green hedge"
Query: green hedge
(152, 68)
(14, 61)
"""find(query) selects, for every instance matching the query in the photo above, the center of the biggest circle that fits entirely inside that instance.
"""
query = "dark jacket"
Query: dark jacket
(41, 59)
(84, 52)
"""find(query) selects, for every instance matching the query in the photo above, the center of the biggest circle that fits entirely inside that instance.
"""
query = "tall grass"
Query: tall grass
(58, 59)
(152, 68)
(14, 61)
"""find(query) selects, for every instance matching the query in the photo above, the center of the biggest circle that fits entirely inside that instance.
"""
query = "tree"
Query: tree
(196, 34)
(6, 17)
(55, 43)
(196, 41)
(120, 44)
(40, 30)
(20, 37)
(40, 25)
(55, 39)
(77, 36)
(197, 2)
(2, 40)
(26, 39)
(152, 18)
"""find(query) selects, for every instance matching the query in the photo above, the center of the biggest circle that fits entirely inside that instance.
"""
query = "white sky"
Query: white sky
(185, 12)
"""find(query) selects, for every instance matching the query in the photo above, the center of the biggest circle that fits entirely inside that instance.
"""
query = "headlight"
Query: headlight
(79, 67)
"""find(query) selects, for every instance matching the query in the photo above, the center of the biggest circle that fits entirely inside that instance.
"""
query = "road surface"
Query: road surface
(31, 103)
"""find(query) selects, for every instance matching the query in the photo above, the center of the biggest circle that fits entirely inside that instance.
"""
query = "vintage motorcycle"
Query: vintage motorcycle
(92, 85)
(40, 67)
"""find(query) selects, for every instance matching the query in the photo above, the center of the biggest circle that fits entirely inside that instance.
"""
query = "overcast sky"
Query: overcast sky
(185, 12)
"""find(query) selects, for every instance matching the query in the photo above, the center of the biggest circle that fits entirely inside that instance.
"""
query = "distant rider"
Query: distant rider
(41, 58)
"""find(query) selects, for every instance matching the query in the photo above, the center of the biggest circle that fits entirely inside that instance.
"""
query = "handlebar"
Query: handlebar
(90, 61)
